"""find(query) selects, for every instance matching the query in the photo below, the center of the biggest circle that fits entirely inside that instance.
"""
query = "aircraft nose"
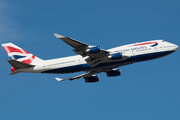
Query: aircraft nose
(176, 47)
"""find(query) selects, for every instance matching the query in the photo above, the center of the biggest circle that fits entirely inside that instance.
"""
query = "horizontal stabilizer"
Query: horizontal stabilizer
(13, 73)
(19, 65)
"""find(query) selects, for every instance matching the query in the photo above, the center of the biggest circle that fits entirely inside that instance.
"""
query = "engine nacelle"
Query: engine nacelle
(112, 73)
(115, 56)
(91, 79)
(96, 49)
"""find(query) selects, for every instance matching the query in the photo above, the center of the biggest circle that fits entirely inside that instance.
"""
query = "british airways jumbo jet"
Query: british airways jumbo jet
(91, 59)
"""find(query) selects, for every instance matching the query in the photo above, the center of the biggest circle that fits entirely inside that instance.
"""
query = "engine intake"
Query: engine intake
(91, 79)
(115, 56)
(96, 49)
(112, 73)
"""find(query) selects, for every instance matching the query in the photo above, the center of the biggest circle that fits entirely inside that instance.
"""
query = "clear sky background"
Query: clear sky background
(145, 91)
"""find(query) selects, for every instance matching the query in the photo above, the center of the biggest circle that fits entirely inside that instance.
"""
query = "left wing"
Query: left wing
(95, 55)
(84, 75)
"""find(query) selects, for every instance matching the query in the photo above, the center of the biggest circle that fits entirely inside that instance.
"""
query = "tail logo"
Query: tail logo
(19, 54)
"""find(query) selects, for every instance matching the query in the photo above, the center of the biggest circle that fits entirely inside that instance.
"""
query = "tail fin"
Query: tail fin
(20, 58)
(18, 54)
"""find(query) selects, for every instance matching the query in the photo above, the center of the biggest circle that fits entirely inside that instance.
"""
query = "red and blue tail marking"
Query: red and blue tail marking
(18, 54)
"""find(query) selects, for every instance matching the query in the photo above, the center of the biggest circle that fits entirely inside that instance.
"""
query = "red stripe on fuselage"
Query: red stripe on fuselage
(144, 43)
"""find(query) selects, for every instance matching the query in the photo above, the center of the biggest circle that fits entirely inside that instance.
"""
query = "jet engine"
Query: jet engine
(115, 72)
(91, 50)
(115, 56)
(94, 78)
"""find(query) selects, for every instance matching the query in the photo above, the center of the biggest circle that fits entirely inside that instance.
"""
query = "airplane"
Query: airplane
(91, 59)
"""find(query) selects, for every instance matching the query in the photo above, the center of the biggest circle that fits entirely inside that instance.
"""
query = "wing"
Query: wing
(95, 55)
(84, 75)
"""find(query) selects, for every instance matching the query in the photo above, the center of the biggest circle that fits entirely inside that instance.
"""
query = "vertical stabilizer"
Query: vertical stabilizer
(18, 54)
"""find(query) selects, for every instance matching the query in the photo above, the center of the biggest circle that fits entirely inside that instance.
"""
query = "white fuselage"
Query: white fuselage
(135, 53)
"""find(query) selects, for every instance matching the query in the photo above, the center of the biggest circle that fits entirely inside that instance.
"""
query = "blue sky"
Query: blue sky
(145, 91)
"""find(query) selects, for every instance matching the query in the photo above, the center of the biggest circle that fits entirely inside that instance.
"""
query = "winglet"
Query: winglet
(58, 36)
(59, 79)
